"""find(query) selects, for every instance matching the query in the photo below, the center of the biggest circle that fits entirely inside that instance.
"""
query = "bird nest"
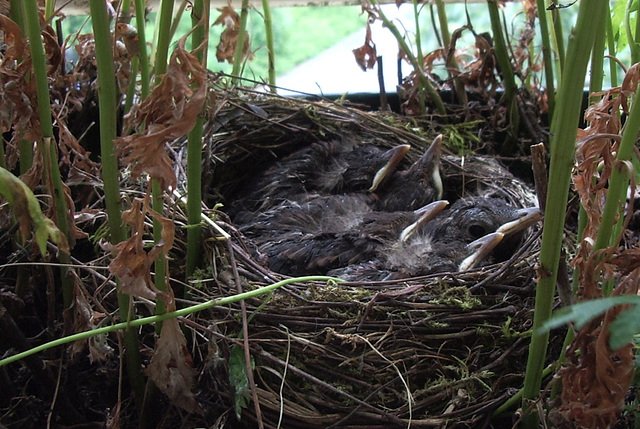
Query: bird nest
(442, 349)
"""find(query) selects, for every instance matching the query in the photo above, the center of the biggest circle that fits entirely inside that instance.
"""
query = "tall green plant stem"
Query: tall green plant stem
(142, 50)
(200, 21)
(450, 59)
(547, 56)
(636, 39)
(238, 55)
(416, 17)
(26, 147)
(271, 53)
(47, 144)
(633, 45)
(164, 38)
(618, 183)
(597, 58)
(433, 94)
(558, 35)
(26, 160)
(162, 54)
(502, 56)
(563, 131)
(611, 46)
(108, 126)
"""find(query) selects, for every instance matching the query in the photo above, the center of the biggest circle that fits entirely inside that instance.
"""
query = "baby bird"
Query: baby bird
(328, 232)
(474, 230)
(329, 168)
(415, 187)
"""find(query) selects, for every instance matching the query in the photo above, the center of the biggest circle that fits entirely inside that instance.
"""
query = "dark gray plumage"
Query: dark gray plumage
(327, 232)
(329, 168)
(473, 231)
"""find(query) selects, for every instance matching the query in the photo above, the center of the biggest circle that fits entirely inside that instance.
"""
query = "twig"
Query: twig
(245, 335)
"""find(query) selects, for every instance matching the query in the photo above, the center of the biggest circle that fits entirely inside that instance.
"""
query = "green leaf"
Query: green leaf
(625, 327)
(622, 330)
(582, 313)
(238, 379)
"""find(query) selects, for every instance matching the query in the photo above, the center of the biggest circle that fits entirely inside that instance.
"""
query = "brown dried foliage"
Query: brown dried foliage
(17, 91)
(169, 112)
(227, 46)
(595, 378)
(132, 265)
(171, 366)
(366, 55)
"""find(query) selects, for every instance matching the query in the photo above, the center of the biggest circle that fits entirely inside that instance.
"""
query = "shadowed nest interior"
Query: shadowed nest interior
(440, 349)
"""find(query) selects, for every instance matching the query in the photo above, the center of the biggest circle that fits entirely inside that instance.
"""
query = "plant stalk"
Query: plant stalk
(547, 56)
(200, 20)
(503, 59)
(563, 133)
(51, 174)
(271, 50)
(424, 81)
(107, 97)
(238, 56)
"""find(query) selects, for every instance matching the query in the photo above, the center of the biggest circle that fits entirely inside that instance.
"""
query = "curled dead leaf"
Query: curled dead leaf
(227, 46)
(169, 112)
(132, 263)
(366, 55)
(171, 367)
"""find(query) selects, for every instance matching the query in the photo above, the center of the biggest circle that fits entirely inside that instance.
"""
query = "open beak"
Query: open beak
(394, 156)
(480, 249)
(423, 215)
(525, 218)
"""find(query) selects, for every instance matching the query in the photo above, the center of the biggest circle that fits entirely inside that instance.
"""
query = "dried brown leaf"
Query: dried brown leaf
(366, 55)
(171, 367)
(596, 379)
(14, 44)
(132, 263)
(227, 46)
(169, 112)
(129, 35)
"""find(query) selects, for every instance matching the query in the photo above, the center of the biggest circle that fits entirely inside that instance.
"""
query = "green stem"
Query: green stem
(160, 264)
(608, 232)
(162, 54)
(48, 9)
(611, 45)
(547, 56)
(503, 59)
(143, 56)
(563, 132)
(416, 16)
(558, 35)
(131, 90)
(433, 94)
(451, 62)
(271, 52)
(159, 318)
(633, 46)
(47, 144)
(238, 56)
(194, 150)
(597, 60)
(108, 125)
(164, 38)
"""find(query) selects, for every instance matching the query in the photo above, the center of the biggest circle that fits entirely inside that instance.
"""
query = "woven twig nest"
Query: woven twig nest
(443, 349)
